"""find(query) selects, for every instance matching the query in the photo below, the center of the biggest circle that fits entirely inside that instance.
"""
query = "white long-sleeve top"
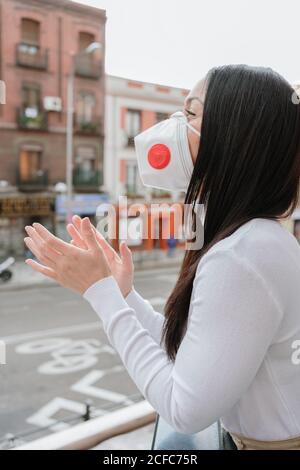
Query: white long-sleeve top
(236, 361)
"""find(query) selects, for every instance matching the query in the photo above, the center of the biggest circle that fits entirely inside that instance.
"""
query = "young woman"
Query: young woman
(224, 348)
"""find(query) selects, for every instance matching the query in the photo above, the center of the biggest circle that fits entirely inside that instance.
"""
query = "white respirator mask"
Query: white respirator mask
(163, 154)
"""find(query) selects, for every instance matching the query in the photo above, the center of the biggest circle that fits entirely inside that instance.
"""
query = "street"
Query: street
(58, 358)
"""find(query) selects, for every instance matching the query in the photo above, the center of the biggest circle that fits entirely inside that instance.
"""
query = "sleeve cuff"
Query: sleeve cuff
(105, 297)
(131, 297)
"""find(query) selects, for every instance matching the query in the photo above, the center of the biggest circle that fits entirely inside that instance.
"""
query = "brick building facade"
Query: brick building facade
(38, 40)
(41, 42)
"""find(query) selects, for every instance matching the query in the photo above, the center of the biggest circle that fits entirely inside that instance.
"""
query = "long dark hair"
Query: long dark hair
(247, 166)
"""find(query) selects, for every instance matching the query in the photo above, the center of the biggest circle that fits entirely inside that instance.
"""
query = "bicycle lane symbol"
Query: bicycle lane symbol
(67, 355)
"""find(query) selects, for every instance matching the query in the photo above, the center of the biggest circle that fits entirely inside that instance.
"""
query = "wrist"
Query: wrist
(86, 287)
(127, 292)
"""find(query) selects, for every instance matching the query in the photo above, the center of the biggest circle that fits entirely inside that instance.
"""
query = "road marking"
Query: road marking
(69, 365)
(87, 386)
(14, 339)
(52, 331)
(44, 417)
(42, 346)
(67, 355)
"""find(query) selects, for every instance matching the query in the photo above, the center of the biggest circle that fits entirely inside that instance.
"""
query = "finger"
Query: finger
(52, 241)
(40, 256)
(126, 255)
(41, 245)
(76, 219)
(76, 238)
(89, 235)
(41, 269)
(110, 253)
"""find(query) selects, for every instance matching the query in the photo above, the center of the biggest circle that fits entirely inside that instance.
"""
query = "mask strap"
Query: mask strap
(193, 129)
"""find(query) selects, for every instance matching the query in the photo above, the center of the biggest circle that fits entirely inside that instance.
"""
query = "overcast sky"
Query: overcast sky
(175, 42)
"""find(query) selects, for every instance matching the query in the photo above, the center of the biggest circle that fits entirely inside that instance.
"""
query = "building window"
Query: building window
(30, 164)
(85, 39)
(31, 114)
(31, 98)
(133, 183)
(85, 156)
(86, 65)
(132, 125)
(161, 117)
(28, 51)
(86, 175)
(85, 159)
(86, 104)
(30, 36)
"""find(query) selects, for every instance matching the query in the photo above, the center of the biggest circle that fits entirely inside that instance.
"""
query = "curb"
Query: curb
(50, 283)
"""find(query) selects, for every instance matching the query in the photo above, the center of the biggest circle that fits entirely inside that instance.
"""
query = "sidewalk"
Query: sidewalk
(24, 276)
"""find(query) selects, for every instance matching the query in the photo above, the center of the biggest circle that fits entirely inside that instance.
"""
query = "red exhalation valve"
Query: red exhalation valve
(159, 156)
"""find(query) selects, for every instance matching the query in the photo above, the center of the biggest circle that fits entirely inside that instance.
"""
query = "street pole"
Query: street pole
(70, 121)
(69, 157)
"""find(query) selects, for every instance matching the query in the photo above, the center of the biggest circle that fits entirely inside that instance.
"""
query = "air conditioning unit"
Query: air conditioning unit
(52, 103)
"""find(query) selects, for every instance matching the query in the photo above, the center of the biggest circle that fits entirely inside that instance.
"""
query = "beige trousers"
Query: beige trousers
(245, 443)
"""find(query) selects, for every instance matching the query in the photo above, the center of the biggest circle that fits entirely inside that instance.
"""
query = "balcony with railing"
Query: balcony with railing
(87, 181)
(87, 67)
(93, 126)
(32, 119)
(37, 181)
(31, 56)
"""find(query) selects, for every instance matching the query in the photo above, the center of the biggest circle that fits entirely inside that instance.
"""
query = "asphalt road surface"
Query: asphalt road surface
(58, 359)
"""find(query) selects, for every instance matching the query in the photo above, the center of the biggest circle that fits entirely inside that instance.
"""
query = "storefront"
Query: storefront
(146, 227)
(85, 205)
(18, 210)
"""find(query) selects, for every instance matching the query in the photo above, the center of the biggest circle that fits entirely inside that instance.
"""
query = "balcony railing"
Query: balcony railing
(130, 141)
(31, 56)
(88, 435)
(87, 180)
(35, 182)
(86, 67)
(160, 193)
(132, 191)
(35, 121)
(93, 126)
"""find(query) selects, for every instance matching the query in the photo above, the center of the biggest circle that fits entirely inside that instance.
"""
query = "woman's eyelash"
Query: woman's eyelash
(190, 112)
